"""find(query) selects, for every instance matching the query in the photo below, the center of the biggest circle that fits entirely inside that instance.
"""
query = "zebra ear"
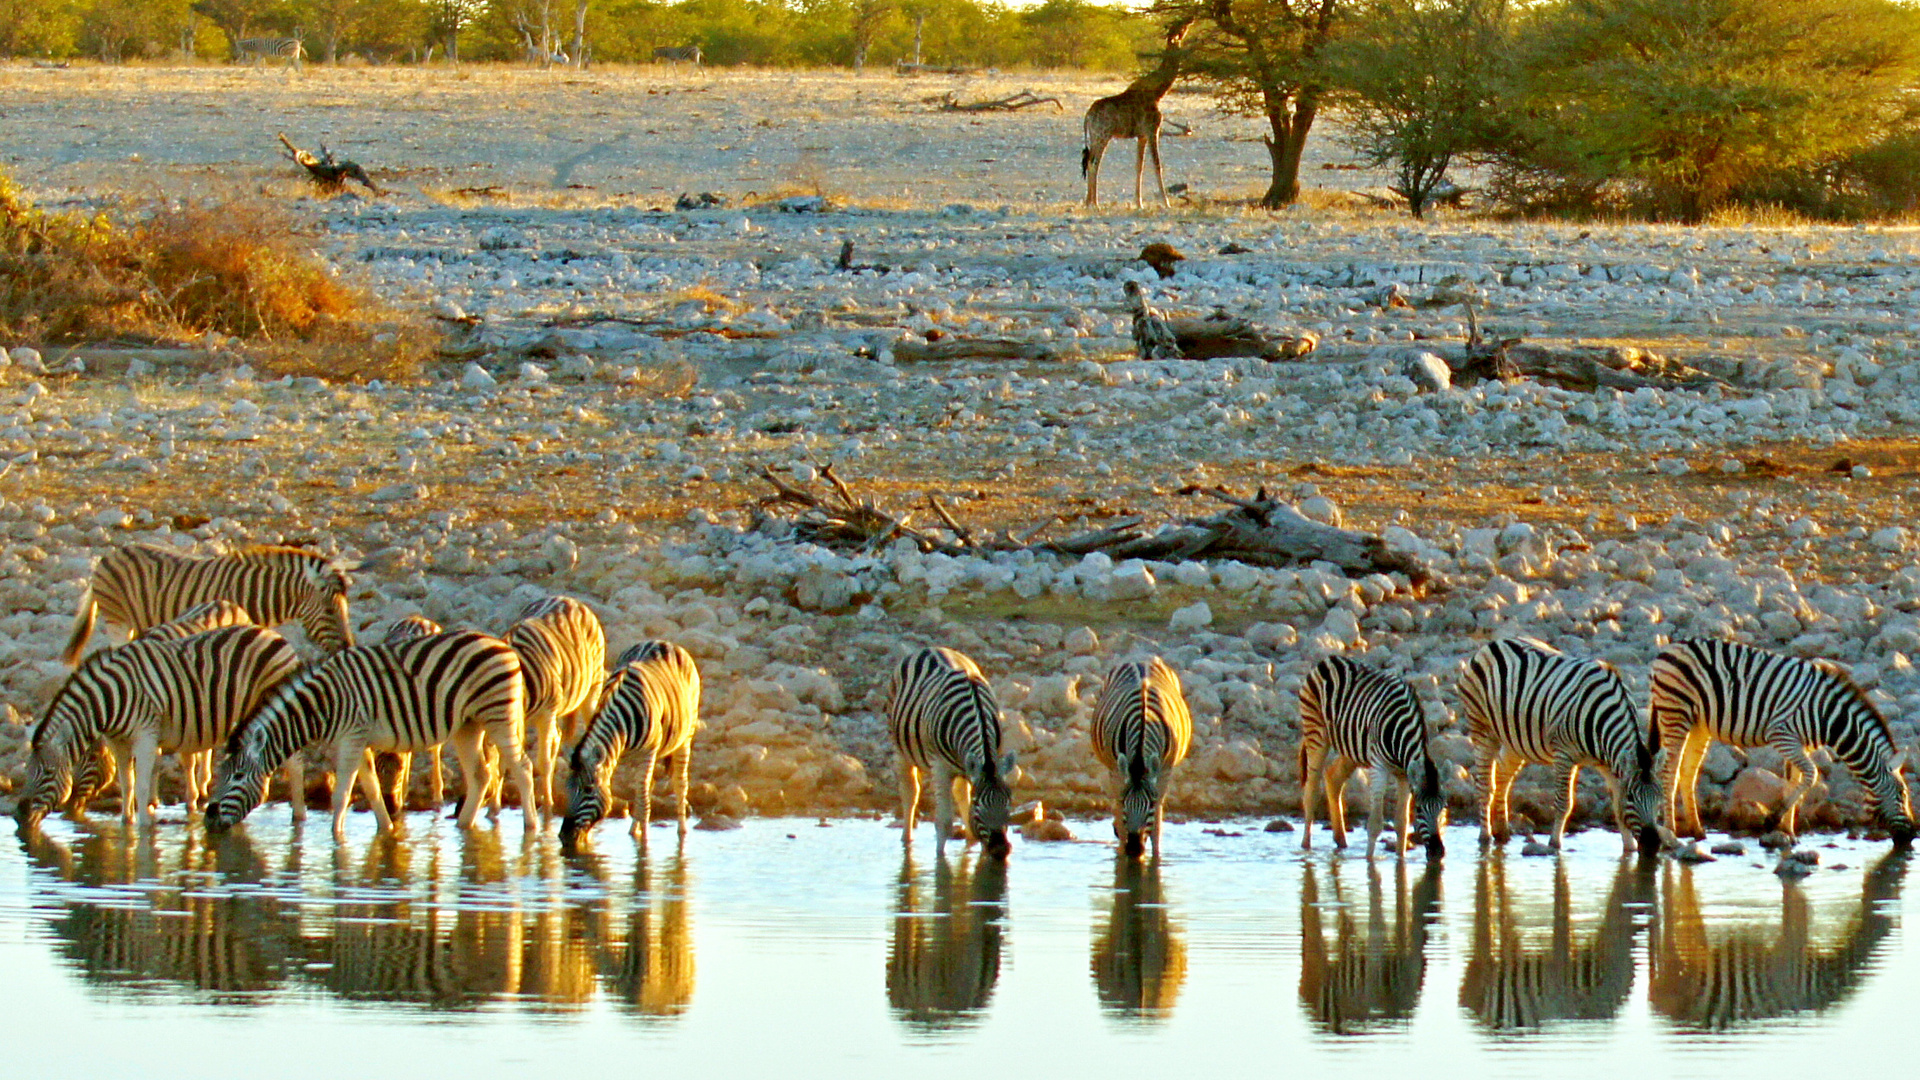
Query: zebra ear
(1006, 765)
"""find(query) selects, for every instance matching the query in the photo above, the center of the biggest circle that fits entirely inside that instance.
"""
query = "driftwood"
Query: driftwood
(327, 174)
(1161, 337)
(1578, 368)
(1259, 531)
(1025, 99)
(906, 68)
(907, 350)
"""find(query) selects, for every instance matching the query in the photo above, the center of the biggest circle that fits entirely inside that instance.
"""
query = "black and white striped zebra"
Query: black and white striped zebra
(677, 54)
(395, 769)
(651, 706)
(1353, 717)
(181, 695)
(258, 50)
(945, 723)
(139, 586)
(1141, 730)
(1708, 689)
(1526, 701)
(97, 770)
(409, 695)
(563, 662)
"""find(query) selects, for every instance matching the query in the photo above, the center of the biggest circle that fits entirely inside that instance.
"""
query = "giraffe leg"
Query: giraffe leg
(1139, 167)
(1096, 149)
(1159, 177)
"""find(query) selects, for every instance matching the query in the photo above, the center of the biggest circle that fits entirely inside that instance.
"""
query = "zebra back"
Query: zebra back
(199, 619)
(1750, 697)
(404, 695)
(140, 586)
(1141, 730)
(940, 708)
(563, 656)
(651, 703)
(191, 692)
(413, 626)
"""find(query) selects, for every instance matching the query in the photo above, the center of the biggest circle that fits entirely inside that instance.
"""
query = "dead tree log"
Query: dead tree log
(1613, 367)
(328, 175)
(908, 350)
(1025, 99)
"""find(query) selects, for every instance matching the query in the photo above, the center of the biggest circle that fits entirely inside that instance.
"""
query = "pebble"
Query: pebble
(1280, 825)
(1691, 853)
(1730, 847)
(475, 377)
(1535, 849)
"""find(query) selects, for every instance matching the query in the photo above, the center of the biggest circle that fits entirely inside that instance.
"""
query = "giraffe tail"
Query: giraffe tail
(1086, 159)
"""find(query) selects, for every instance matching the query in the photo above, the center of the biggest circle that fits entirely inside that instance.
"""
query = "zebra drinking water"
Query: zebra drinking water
(141, 585)
(651, 706)
(178, 695)
(563, 662)
(409, 695)
(944, 722)
(1141, 730)
(1705, 690)
(1352, 717)
(1526, 701)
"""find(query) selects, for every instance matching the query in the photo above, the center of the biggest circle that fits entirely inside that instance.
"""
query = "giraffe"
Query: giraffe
(1133, 113)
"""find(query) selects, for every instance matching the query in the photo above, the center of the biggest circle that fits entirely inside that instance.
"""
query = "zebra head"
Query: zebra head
(1430, 811)
(1640, 801)
(587, 786)
(992, 805)
(60, 740)
(1892, 804)
(1138, 802)
(324, 612)
(48, 783)
(239, 785)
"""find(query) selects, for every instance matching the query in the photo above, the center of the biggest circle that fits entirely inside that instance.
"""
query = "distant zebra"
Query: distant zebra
(396, 768)
(1352, 717)
(944, 722)
(258, 50)
(1526, 701)
(563, 661)
(1707, 689)
(408, 695)
(1141, 730)
(140, 585)
(97, 770)
(651, 706)
(680, 54)
(151, 695)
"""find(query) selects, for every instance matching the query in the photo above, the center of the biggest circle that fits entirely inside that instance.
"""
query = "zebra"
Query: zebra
(1141, 730)
(651, 705)
(1511, 983)
(563, 661)
(459, 686)
(944, 722)
(258, 50)
(1526, 701)
(97, 770)
(179, 695)
(1138, 958)
(1369, 976)
(677, 54)
(1352, 717)
(1708, 689)
(396, 768)
(141, 585)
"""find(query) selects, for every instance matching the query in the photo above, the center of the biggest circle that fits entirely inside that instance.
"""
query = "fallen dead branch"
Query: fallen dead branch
(906, 68)
(1260, 531)
(908, 350)
(327, 174)
(1578, 368)
(1157, 336)
(1025, 99)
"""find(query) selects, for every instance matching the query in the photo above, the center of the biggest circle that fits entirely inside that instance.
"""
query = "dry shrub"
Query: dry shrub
(238, 269)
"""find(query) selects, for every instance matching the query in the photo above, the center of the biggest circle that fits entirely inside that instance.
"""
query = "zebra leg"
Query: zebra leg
(1628, 844)
(466, 752)
(942, 806)
(369, 776)
(1405, 809)
(438, 784)
(146, 746)
(1336, 780)
(546, 746)
(1379, 779)
(1312, 778)
(1510, 767)
(1800, 764)
(643, 800)
(909, 800)
(296, 771)
(682, 774)
(1488, 770)
(1566, 773)
(507, 740)
(347, 756)
(492, 791)
(1692, 754)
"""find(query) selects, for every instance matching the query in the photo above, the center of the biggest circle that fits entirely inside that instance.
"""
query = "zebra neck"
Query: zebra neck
(303, 715)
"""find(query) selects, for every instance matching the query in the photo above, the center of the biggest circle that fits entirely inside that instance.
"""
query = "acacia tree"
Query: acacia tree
(1691, 98)
(1262, 57)
(1421, 82)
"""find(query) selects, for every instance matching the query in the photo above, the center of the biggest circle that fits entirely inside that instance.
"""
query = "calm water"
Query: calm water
(793, 949)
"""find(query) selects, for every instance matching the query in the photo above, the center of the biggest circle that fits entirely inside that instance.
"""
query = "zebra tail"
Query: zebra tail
(82, 628)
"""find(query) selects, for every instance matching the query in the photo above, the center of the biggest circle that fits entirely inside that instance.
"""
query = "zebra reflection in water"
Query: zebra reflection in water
(182, 935)
(1371, 976)
(647, 965)
(1139, 951)
(944, 958)
(1756, 972)
(1511, 986)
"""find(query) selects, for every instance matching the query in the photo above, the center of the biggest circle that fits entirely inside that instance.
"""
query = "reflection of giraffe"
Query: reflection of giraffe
(1133, 113)
(1756, 972)
(1511, 984)
(1371, 976)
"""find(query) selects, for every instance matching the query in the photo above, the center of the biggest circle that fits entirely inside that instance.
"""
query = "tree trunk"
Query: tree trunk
(919, 27)
(1287, 145)
(580, 35)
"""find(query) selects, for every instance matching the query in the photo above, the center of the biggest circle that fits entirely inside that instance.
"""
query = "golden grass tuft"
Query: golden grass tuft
(175, 273)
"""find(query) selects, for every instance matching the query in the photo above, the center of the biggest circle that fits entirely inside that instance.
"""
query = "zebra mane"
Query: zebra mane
(280, 693)
(264, 551)
(1844, 678)
(87, 663)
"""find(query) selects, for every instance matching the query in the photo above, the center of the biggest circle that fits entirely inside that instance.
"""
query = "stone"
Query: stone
(475, 377)
(1729, 847)
(1131, 580)
(1672, 467)
(1535, 849)
(1428, 372)
(1192, 617)
(1691, 853)
(1082, 641)
(28, 360)
(1756, 785)
(717, 822)
(1279, 825)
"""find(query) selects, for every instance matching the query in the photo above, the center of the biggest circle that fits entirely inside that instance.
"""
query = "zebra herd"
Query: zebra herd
(199, 674)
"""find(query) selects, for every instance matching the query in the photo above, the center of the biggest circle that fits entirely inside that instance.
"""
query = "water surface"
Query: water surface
(792, 948)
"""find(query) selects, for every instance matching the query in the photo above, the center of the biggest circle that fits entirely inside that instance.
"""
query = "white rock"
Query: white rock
(1672, 466)
(1428, 372)
(28, 360)
(1192, 617)
(1132, 581)
(475, 377)
(447, 309)
(1082, 641)
(533, 374)
(1891, 538)
(1193, 575)
(113, 518)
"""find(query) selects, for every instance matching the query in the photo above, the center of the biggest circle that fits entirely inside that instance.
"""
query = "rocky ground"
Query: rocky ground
(617, 372)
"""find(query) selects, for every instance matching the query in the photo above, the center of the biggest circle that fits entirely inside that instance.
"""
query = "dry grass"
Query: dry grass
(177, 273)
